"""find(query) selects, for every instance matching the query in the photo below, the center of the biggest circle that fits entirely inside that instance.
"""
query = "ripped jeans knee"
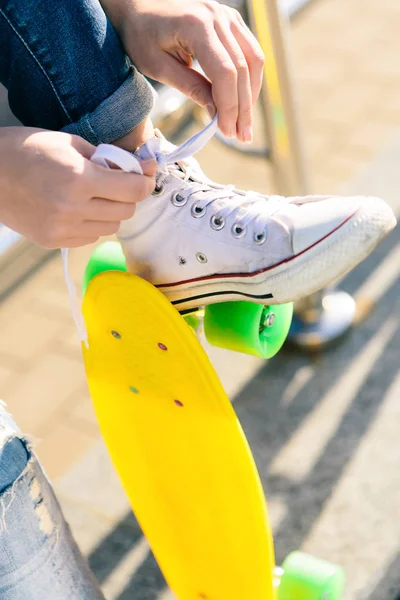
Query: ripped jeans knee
(14, 456)
(39, 559)
(18, 467)
(14, 453)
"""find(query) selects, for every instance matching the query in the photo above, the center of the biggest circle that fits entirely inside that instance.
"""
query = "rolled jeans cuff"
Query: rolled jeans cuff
(119, 114)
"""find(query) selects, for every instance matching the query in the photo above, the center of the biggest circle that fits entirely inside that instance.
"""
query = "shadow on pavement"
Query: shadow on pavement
(388, 585)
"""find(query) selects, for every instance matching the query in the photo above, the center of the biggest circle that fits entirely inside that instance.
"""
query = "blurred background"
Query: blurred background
(323, 427)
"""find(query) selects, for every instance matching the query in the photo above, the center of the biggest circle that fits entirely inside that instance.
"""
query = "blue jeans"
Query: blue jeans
(39, 559)
(64, 69)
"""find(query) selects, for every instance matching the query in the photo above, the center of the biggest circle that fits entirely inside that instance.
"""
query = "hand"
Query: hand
(51, 193)
(161, 37)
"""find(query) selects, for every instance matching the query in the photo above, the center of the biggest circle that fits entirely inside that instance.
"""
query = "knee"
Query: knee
(14, 454)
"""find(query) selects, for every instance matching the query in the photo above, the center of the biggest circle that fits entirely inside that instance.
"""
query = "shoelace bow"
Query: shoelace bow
(250, 206)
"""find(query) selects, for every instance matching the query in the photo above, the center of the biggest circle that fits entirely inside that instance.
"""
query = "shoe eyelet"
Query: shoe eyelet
(197, 211)
(158, 190)
(202, 258)
(217, 222)
(238, 230)
(178, 200)
(260, 238)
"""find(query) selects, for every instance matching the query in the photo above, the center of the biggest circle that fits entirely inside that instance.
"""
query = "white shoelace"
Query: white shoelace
(128, 162)
(76, 310)
(250, 206)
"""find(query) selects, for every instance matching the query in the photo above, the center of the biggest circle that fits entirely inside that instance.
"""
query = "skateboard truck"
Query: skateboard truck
(322, 319)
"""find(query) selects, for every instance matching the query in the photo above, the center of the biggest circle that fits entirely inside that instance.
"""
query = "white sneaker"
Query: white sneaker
(202, 243)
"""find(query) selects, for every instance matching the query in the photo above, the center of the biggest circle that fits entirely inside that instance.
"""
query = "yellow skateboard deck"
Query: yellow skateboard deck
(177, 444)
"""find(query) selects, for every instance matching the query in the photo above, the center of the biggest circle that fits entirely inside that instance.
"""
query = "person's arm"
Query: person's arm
(54, 195)
(162, 36)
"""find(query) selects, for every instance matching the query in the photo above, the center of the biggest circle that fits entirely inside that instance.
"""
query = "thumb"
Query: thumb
(149, 167)
(188, 81)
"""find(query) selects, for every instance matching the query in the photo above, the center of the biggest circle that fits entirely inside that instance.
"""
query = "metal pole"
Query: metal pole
(281, 112)
(326, 316)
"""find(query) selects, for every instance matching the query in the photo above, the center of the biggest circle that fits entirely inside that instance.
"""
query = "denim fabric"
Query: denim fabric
(64, 67)
(13, 459)
(39, 560)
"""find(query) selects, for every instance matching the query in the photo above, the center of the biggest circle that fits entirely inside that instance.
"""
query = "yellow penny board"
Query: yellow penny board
(177, 444)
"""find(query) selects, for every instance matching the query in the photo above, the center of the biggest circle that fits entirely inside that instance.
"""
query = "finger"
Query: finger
(149, 167)
(217, 64)
(99, 209)
(185, 79)
(114, 184)
(244, 122)
(253, 55)
(82, 146)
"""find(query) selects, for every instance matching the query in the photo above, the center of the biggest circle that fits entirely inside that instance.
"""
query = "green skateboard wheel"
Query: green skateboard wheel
(248, 327)
(240, 326)
(309, 578)
(108, 256)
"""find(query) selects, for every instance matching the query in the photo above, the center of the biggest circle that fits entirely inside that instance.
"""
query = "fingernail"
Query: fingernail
(149, 167)
(248, 134)
(150, 162)
(233, 132)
